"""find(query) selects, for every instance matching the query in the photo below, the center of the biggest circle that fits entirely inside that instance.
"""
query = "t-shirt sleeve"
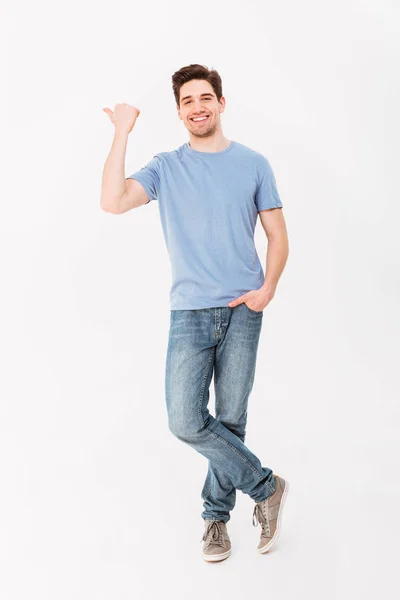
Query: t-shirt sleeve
(149, 177)
(266, 195)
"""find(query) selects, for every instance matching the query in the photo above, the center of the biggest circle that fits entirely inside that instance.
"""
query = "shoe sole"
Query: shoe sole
(216, 557)
(278, 522)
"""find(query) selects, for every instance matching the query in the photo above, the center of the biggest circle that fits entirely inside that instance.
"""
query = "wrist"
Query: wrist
(120, 133)
(269, 286)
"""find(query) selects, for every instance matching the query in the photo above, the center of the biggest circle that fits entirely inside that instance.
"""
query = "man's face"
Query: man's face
(197, 99)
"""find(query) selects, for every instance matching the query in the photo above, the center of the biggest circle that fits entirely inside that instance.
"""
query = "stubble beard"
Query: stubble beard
(209, 132)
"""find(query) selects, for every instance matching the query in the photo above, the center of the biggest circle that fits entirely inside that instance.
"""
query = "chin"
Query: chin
(204, 133)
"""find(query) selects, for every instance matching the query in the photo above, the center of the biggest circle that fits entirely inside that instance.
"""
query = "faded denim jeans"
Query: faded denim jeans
(222, 341)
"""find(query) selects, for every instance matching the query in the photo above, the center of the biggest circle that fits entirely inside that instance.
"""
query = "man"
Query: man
(210, 191)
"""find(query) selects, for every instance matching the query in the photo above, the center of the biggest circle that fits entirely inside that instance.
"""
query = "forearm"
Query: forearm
(113, 180)
(277, 254)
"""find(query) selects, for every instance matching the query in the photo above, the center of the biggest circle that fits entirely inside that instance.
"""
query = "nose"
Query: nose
(198, 108)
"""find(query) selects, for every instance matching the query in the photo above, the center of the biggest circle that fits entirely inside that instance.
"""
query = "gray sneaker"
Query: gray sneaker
(217, 544)
(269, 513)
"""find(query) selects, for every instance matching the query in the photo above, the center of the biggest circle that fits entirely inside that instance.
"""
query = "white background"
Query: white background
(98, 499)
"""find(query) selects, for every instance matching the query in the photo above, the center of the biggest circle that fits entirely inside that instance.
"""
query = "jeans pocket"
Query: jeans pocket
(256, 312)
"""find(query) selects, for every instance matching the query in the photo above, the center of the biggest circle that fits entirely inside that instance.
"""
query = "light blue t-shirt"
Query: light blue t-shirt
(208, 203)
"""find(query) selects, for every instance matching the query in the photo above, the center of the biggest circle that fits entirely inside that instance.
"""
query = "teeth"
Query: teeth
(199, 118)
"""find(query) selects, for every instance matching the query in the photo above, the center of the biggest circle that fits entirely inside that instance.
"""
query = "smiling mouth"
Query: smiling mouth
(200, 120)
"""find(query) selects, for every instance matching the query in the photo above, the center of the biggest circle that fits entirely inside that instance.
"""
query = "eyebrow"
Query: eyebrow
(207, 94)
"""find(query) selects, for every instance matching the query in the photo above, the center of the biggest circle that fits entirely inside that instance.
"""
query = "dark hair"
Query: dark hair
(190, 72)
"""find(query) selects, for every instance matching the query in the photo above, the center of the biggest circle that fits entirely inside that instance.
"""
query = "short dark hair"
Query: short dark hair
(190, 72)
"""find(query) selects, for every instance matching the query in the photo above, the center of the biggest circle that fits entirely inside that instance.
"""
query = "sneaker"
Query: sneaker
(217, 544)
(268, 514)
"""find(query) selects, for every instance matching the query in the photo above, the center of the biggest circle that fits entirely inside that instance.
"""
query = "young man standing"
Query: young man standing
(210, 191)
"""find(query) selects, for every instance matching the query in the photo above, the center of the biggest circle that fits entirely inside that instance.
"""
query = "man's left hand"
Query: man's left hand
(255, 299)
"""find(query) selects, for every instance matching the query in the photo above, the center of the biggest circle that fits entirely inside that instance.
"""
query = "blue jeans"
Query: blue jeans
(222, 340)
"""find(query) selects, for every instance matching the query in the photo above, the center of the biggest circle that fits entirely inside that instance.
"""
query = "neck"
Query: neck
(214, 143)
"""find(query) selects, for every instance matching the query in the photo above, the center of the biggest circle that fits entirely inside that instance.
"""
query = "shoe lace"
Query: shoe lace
(260, 516)
(213, 534)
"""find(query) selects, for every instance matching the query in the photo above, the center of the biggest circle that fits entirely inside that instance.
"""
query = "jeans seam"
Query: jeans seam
(208, 492)
(242, 456)
(203, 385)
(209, 474)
